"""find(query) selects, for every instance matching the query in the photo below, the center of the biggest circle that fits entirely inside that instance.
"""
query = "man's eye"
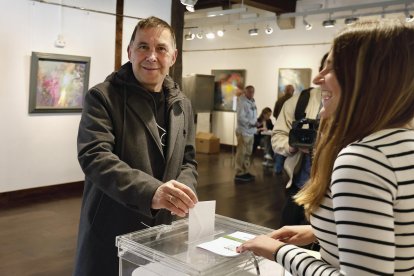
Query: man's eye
(142, 47)
(162, 49)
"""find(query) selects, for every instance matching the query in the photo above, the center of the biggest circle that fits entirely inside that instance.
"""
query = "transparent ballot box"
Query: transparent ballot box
(165, 250)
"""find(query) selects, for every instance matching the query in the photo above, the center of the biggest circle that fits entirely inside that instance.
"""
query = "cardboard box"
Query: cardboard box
(207, 143)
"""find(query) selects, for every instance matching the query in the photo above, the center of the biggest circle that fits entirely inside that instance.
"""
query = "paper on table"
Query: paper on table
(201, 220)
(226, 245)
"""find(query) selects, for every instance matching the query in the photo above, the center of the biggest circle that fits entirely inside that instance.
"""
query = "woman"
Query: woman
(360, 197)
(264, 124)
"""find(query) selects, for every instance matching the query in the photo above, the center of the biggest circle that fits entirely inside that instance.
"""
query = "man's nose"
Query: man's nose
(152, 55)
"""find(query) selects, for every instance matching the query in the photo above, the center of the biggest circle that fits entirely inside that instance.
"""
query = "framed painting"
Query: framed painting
(58, 83)
(300, 78)
(228, 84)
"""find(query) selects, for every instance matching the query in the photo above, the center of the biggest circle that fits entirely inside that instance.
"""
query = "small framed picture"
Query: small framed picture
(58, 83)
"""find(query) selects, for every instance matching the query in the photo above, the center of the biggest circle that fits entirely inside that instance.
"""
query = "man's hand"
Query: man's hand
(175, 197)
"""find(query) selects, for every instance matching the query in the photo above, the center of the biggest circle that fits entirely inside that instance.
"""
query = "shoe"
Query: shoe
(267, 163)
(268, 157)
(243, 178)
(251, 175)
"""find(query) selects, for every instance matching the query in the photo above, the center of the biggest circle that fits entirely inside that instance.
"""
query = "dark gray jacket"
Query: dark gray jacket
(120, 153)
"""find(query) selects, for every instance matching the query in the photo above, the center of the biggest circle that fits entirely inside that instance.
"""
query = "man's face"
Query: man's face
(152, 53)
(249, 93)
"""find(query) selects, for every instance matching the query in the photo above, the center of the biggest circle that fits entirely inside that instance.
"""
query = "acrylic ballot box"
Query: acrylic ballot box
(165, 250)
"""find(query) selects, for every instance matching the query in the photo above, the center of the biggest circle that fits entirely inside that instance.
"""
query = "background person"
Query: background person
(361, 193)
(136, 148)
(297, 164)
(246, 128)
(287, 94)
(262, 137)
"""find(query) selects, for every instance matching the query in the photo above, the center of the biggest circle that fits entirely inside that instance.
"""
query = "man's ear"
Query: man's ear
(174, 57)
(129, 51)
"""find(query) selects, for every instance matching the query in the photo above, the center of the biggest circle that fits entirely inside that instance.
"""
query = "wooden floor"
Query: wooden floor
(39, 238)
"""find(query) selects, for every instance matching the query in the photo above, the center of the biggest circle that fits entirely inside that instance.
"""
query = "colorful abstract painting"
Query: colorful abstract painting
(227, 85)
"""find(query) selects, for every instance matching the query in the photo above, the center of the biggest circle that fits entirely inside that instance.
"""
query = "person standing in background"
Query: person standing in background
(279, 159)
(246, 128)
(298, 160)
(136, 147)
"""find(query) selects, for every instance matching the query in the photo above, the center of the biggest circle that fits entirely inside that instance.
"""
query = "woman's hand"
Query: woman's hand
(295, 234)
(262, 245)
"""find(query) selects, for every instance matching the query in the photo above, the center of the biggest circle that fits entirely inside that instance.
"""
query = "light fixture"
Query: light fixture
(220, 32)
(268, 30)
(253, 32)
(189, 4)
(351, 20)
(210, 35)
(226, 12)
(330, 23)
(189, 36)
(308, 26)
(200, 35)
(408, 17)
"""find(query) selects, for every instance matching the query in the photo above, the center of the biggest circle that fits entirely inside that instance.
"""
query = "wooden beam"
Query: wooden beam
(118, 33)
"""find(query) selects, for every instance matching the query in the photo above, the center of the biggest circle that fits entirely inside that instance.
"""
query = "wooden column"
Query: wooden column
(177, 23)
(118, 33)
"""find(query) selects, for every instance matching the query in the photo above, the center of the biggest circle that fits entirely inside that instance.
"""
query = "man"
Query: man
(246, 128)
(287, 94)
(298, 160)
(136, 148)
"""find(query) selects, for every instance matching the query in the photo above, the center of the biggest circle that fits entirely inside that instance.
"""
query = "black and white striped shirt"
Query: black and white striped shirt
(365, 224)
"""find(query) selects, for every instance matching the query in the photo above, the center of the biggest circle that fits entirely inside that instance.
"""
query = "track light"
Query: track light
(200, 35)
(253, 32)
(330, 23)
(308, 26)
(408, 17)
(268, 30)
(189, 36)
(350, 20)
(210, 35)
(189, 4)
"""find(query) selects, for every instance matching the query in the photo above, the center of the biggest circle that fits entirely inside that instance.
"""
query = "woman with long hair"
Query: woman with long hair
(360, 197)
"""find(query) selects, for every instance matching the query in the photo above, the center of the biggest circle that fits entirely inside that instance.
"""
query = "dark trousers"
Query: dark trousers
(292, 213)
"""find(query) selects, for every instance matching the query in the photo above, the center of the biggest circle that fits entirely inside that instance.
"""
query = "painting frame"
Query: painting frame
(58, 83)
(232, 81)
(300, 78)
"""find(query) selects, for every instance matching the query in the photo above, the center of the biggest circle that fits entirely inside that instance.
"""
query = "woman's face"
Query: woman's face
(331, 91)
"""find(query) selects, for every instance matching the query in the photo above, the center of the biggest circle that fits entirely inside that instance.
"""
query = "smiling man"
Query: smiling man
(136, 148)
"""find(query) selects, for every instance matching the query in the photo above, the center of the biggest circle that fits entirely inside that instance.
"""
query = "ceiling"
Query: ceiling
(276, 6)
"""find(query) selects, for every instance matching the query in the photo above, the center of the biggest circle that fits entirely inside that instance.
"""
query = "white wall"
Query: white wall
(40, 150)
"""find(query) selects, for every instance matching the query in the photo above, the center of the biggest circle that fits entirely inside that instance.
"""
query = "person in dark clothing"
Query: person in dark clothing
(262, 136)
(287, 94)
(136, 147)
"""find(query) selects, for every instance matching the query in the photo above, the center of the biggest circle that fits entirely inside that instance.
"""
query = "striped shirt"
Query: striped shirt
(365, 224)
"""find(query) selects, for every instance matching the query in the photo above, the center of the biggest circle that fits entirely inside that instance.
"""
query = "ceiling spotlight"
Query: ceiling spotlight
(408, 17)
(189, 4)
(268, 30)
(210, 35)
(200, 35)
(220, 33)
(189, 36)
(329, 23)
(308, 26)
(253, 31)
(351, 20)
